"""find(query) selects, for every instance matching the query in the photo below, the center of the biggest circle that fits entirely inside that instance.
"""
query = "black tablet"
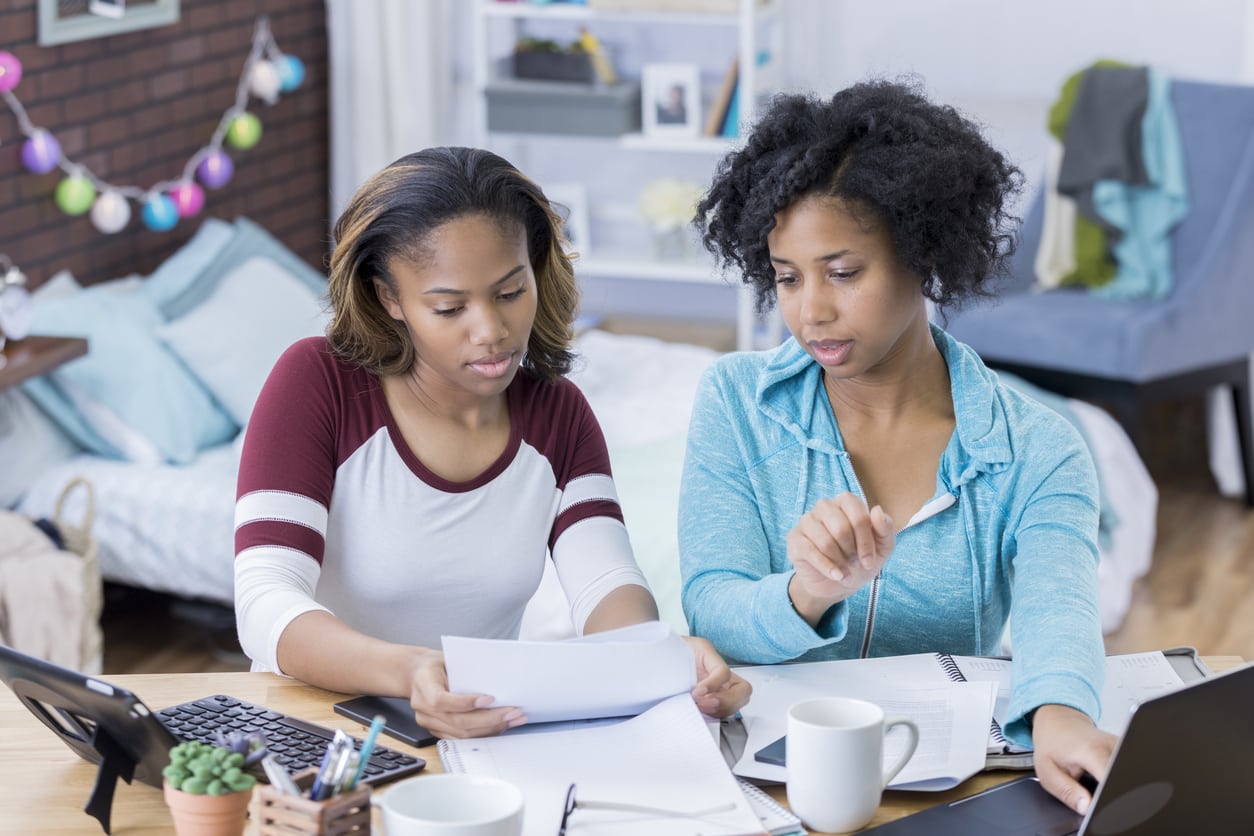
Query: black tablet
(398, 717)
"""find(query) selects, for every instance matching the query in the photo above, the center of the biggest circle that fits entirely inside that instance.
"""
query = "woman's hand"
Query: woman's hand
(1067, 745)
(446, 714)
(836, 548)
(719, 692)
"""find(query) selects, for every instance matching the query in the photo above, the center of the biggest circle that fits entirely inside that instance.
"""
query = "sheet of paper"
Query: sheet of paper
(663, 758)
(1131, 678)
(610, 674)
(953, 717)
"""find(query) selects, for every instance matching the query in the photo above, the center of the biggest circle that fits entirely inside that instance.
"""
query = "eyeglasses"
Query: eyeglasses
(572, 805)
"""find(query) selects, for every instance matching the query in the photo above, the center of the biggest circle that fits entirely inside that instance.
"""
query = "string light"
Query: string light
(267, 72)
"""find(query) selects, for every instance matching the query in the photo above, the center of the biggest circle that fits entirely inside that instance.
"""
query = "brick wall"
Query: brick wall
(135, 107)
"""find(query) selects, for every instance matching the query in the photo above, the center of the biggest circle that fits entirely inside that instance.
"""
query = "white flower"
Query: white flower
(669, 203)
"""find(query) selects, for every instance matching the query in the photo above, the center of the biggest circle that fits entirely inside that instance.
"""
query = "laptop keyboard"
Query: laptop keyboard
(295, 743)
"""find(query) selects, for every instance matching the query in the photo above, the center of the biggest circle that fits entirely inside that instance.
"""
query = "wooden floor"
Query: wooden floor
(1199, 592)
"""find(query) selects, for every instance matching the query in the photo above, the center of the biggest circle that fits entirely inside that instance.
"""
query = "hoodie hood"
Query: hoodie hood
(790, 392)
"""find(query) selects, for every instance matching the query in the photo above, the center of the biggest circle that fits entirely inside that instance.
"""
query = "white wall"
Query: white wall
(1000, 61)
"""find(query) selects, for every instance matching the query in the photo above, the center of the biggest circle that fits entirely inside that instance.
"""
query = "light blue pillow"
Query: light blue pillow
(30, 443)
(178, 272)
(248, 241)
(142, 397)
(265, 309)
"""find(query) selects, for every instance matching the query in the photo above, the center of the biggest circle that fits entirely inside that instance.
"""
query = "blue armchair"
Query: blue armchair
(1124, 353)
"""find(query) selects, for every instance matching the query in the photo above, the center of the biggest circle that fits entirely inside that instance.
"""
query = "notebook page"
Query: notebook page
(662, 758)
(1131, 678)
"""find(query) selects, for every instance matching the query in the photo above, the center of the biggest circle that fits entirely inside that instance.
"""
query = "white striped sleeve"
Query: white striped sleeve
(273, 585)
(593, 557)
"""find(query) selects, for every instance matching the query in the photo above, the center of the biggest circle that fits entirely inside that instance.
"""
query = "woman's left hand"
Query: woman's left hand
(1067, 745)
(719, 692)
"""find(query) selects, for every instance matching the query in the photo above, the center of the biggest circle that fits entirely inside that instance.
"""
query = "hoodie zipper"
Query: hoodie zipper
(929, 509)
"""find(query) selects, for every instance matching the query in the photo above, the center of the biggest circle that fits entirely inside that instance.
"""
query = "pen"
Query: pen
(279, 777)
(367, 747)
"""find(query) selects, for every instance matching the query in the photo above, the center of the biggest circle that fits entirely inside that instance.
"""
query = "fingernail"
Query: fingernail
(483, 702)
(512, 715)
(1083, 806)
(837, 575)
(867, 561)
(517, 721)
(700, 691)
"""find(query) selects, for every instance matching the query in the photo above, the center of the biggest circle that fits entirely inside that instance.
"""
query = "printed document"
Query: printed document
(615, 673)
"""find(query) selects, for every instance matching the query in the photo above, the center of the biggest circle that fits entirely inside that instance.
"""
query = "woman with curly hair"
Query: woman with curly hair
(407, 475)
(870, 488)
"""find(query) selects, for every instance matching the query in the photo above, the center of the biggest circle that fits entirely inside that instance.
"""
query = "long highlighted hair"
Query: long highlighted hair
(393, 215)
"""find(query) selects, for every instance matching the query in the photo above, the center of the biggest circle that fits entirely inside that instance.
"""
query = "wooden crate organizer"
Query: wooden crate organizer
(280, 814)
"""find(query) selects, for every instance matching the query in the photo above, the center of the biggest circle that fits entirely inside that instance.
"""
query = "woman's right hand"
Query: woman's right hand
(836, 548)
(446, 714)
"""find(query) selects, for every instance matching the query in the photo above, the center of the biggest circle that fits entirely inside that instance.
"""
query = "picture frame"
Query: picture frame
(670, 98)
(570, 201)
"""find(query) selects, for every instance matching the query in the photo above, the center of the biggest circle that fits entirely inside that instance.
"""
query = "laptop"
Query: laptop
(110, 726)
(1185, 764)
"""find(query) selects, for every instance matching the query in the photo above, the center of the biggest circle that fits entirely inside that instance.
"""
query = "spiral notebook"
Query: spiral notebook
(1131, 678)
(775, 817)
(663, 758)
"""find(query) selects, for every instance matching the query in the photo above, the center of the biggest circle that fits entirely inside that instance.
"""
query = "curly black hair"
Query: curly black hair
(891, 156)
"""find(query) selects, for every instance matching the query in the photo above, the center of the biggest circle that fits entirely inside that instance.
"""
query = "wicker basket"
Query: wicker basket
(78, 539)
(277, 813)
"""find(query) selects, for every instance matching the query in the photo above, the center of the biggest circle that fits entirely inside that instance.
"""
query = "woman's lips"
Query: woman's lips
(830, 352)
(492, 366)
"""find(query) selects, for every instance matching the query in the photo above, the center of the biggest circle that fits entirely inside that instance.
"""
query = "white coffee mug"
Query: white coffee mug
(835, 761)
(451, 804)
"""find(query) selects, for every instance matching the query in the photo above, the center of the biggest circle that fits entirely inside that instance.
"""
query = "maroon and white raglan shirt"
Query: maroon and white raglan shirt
(335, 513)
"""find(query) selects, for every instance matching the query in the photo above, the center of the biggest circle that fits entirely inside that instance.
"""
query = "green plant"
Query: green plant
(205, 769)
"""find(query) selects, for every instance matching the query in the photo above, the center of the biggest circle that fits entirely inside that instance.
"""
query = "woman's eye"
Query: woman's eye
(514, 294)
(783, 278)
(445, 311)
(843, 275)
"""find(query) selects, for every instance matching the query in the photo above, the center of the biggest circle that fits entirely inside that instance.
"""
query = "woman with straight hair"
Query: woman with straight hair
(404, 477)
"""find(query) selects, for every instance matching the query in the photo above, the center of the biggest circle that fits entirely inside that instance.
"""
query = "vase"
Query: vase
(674, 244)
(207, 815)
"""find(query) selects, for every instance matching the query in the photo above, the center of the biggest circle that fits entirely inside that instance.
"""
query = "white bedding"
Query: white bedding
(170, 528)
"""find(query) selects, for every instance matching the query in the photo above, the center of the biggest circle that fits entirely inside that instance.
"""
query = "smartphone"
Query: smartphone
(772, 753)
(398, 717)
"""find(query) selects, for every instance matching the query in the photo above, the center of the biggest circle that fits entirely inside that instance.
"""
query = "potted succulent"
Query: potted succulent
(206, 786)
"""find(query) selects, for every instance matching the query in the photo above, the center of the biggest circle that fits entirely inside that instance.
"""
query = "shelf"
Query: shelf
(569, 11)
(694, 144)
(625, 266)
(33, 356)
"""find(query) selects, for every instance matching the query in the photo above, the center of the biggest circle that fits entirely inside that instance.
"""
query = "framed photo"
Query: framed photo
(570, 200)
(670, 95)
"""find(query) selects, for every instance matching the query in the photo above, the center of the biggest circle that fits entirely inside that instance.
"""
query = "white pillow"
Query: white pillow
(232, 339)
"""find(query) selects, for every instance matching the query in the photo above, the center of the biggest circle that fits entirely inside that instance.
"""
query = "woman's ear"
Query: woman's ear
(388, 299)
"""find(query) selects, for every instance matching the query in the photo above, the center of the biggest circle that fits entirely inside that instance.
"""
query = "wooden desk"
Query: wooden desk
(33, 356)
(45, 785)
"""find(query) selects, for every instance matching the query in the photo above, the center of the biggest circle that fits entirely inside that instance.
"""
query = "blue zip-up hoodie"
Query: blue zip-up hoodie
(1011, 531)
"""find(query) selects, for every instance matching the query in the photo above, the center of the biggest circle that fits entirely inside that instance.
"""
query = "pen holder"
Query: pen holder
(277, 813)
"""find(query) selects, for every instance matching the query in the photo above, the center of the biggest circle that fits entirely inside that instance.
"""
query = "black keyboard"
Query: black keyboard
(295, 743)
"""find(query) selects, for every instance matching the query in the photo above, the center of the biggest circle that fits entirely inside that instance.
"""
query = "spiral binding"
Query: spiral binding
(450, 757)
(954, 672)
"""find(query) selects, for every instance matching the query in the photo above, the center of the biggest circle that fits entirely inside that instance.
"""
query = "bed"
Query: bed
(165, 496)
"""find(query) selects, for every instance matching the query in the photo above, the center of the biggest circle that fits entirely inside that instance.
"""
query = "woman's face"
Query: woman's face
(842, 292)
(468, 305)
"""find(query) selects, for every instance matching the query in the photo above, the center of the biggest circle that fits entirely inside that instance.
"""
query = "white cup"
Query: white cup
(451, 804)
(835, 761)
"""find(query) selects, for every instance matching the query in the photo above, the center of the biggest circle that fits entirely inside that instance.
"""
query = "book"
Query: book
(722, 99)
(776, 818)
(663, 759)
(1131, 678)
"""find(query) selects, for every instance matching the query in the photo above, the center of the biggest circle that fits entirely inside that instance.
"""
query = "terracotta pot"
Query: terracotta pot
(207, 815)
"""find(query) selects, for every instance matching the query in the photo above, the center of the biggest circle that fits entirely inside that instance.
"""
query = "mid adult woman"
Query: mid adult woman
(870, 487)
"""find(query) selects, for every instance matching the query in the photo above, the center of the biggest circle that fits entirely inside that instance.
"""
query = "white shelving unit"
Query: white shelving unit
(496, 25)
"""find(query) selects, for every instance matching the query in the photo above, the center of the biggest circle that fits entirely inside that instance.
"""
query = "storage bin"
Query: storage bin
(553, 66)
(277, 814)
(554, 107)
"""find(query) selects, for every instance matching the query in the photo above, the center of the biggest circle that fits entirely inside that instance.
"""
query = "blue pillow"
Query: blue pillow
(178, 272)
(248, 241)
(143, 400)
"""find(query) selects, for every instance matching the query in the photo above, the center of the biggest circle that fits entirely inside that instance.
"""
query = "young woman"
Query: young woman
(403, 477)
(869, 487)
